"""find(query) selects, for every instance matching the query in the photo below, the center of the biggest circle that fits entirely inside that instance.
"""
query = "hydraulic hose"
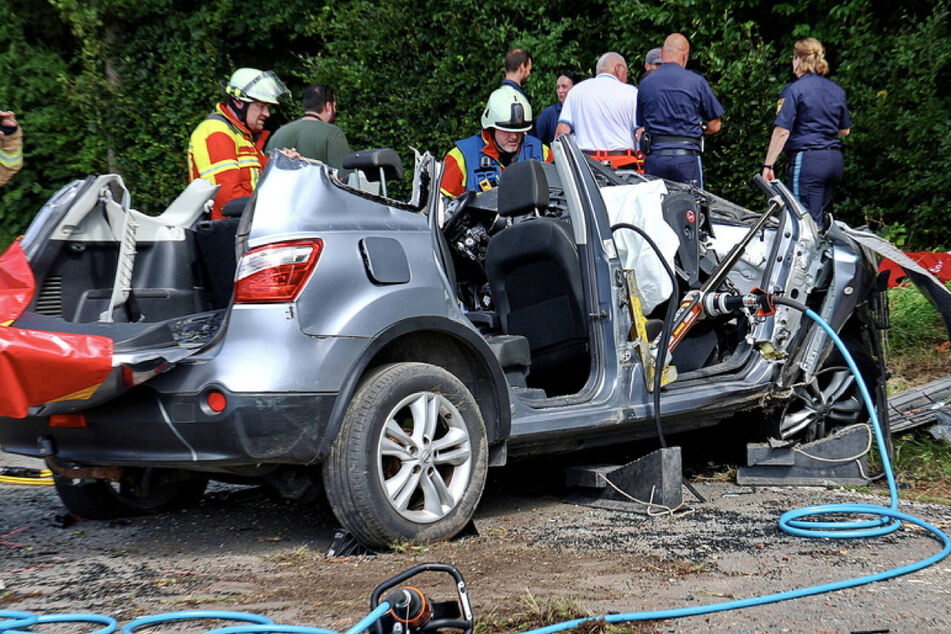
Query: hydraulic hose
(664, 340)
(19, 621)
(21, 475)
(886, 520)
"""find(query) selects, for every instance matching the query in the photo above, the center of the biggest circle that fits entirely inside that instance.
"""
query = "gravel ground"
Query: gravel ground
(243, 549)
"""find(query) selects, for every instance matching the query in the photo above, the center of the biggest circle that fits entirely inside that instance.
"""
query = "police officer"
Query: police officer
(811, 118)
(476, 163)
(675, 108)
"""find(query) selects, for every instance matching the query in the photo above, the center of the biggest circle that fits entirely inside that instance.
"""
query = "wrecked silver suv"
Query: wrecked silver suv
(390, 352)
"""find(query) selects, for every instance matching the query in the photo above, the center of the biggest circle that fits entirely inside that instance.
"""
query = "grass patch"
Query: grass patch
(300, 556)
(922, 465)
(918, 353)
(915, 322)
(531, 613)
(918, 347)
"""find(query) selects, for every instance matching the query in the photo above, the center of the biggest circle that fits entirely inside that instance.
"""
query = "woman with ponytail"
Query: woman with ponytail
(811, 119)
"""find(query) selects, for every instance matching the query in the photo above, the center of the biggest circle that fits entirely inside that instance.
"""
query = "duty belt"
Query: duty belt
(687, 144)
(695, 142)
(676, 152)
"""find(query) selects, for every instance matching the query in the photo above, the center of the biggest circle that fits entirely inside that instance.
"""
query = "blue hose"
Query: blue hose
(792, 522)
(886, 520)
(13, 626)
(195, 615)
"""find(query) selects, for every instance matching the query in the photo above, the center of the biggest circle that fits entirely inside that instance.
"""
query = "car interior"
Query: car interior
(510, 254)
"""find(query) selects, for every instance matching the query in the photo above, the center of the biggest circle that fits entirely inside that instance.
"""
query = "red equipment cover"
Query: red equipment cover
(938, 264)
(38, 367)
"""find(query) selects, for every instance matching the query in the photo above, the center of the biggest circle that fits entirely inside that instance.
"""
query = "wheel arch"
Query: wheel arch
(443, 343)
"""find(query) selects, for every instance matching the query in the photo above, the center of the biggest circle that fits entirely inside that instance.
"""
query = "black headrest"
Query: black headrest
(235, 207)
(370, 161)
(523, 188)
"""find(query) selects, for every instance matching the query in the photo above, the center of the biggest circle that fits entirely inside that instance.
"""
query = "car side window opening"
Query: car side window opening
(678, 222)
(518, 274)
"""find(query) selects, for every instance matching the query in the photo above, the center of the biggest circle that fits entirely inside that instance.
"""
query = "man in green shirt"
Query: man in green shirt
(314, 135)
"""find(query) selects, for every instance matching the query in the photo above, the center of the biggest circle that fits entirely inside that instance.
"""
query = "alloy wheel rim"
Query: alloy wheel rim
(830, 400)
(424, 457)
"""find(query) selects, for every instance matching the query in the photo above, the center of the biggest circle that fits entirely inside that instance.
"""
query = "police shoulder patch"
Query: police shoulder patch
(779, 105)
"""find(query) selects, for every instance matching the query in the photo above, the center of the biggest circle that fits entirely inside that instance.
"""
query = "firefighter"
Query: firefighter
(11, 146)
(227, 148)
(476, 163)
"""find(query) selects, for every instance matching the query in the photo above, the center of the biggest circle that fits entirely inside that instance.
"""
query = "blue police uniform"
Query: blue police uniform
(514, 84)
(813, 109)
(672, 103)
(547, 122)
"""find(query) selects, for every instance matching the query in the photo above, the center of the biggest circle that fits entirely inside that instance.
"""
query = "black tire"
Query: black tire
(385, 488)
(138, 492)
(833, 399)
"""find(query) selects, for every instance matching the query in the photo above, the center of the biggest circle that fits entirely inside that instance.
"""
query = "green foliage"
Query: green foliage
(118, 85)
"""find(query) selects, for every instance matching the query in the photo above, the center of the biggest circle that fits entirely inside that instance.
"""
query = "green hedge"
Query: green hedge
(117, 85)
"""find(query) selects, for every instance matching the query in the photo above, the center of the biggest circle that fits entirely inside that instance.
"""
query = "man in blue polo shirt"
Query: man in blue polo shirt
(675, 108)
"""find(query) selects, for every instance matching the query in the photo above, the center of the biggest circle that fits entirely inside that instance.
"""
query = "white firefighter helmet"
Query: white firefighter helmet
(251, 84)
(507, 109)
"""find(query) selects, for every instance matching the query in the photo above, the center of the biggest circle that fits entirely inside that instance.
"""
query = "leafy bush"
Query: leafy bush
(118, 85)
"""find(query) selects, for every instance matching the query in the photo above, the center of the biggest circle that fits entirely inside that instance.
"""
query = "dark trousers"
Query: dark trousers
(683, 169)
(813, 176)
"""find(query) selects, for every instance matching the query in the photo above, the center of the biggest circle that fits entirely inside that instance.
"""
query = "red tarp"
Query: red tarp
(38, 367)
(938, 264)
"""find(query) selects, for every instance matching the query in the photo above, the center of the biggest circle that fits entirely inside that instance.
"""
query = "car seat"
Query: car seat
(535, 279)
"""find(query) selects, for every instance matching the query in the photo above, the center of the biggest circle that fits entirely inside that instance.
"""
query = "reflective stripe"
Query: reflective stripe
(700, 170)
(797, 170)
(11, 160)
(216, 168)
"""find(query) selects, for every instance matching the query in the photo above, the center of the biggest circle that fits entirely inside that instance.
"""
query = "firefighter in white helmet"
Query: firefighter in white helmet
(227, 148)
(477, 162)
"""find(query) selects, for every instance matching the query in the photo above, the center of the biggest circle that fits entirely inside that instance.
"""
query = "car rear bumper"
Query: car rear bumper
(146, 428)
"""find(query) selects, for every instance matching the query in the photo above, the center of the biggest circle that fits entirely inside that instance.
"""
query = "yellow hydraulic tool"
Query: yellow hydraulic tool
(640, 337)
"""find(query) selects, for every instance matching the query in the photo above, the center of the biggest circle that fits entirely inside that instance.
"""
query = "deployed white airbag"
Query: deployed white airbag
(639, 205)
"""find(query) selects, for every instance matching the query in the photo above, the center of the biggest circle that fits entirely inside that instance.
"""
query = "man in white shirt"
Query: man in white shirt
(602, 113)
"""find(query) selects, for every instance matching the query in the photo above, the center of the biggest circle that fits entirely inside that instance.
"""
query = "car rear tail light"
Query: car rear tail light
(277, 272)
(68, 421)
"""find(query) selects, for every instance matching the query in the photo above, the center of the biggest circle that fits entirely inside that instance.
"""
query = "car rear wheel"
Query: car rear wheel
(832, 399)
(138, 492)
(410, 459)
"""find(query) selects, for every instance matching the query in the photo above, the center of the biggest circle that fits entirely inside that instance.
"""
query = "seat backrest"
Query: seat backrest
(682, 213)
(523, 189)
(377, 163)
(217, 261)
(535, 279)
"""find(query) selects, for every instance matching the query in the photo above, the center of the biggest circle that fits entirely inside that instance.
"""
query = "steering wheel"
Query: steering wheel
(452, 224)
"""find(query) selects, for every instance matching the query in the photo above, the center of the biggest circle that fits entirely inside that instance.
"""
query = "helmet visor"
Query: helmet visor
(265, 87)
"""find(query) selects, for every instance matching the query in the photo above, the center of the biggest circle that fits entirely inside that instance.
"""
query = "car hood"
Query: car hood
(930, 286)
